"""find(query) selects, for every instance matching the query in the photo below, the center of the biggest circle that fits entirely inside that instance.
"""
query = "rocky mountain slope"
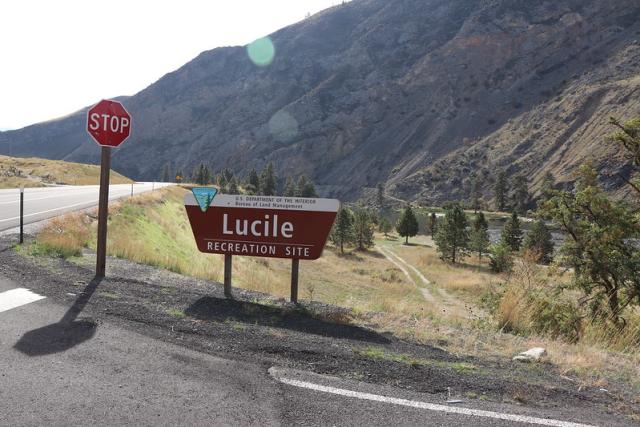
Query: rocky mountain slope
(416, 94)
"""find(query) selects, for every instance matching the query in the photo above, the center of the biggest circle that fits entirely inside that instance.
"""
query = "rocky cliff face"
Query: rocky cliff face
(416, 94)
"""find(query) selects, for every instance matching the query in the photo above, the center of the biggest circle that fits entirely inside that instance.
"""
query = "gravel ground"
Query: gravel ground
(311, 336)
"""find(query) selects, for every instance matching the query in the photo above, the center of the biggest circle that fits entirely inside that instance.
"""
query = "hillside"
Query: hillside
(416, 94)
(34, 172)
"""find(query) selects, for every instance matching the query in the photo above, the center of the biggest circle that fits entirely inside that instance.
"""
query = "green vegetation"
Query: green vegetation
(380, 196)
(452, 237)
(289, 188)
(201, 174)
(377, 353)
(432, 224)
(252, 185)
(500, 191)
(342, 233)
(570, 314)
(407, 225)
(540, 242)
(305, 188)
(500, 258)
(174, 312)
(521, 197)
(109, 295)
(600, 246)
(166, 173)
(268, 180)
(479, 237)
(64, 237)
(363, 229)
(384, 226)
(548, 187)
(512, 233)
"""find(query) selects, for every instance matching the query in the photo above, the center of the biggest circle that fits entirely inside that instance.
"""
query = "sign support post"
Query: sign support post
(21, 214)
(103, 211)
(227, 275)
(293, 228)
(109, 124)
(295, 264)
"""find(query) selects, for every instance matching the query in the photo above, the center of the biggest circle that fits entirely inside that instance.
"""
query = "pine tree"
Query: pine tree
(380, 196)
(407, 225)
(432, 224)
(305, 188)
(206, 175)
(500, 258)
(289, 188)
(166, 173)
(363, 229)
(196, 176)
(452, 237)
(479, 237)
(232, 187)
(500, 192)
(253, 182)
(540, 241)
(548, 186)
(521, 195)
(342, 232)
(268, 180)
(512, 233)
(222, 182)
(384, 226)
(475, 193)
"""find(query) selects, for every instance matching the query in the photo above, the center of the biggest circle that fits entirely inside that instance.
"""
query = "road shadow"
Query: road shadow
(296, 318)
(65, 334)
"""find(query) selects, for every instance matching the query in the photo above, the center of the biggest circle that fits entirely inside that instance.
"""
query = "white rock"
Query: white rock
(531, 355)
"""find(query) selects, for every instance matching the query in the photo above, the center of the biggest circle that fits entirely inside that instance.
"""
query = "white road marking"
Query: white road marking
(89, 202)
(16, 298)
(431, 406)
(50, 210)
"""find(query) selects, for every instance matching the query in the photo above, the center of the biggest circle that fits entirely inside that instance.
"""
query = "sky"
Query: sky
(59, 56)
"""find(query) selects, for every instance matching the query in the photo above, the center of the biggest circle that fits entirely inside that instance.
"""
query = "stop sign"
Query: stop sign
(108, 123)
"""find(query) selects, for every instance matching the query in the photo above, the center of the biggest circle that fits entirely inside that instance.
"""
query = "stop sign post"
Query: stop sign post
(109, 124)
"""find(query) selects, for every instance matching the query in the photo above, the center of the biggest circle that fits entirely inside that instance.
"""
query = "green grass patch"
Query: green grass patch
(174, 312)
(378, 353)
(109, 295)
(237, 326)
(46, 249)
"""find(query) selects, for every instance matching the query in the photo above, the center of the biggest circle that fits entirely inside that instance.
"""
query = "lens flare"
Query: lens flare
(283, 126)
(261, 52)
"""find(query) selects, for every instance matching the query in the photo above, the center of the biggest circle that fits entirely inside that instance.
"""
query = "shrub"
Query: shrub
(500, 258)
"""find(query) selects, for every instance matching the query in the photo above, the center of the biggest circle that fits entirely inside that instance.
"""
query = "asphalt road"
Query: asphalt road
(47, 202)
(59, 367)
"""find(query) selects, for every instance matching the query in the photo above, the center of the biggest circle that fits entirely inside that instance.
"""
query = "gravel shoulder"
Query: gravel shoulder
(313, 337)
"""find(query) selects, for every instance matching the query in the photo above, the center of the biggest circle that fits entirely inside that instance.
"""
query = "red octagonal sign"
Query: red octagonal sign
(108, 123)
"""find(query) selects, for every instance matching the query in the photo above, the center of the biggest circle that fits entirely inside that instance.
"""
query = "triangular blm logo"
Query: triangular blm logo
(204, 196)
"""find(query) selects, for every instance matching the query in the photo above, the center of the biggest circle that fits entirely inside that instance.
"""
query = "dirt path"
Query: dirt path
(454, 304)
(398, 262)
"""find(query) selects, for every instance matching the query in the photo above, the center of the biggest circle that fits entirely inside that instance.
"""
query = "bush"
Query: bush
(530, 304)
(524, 311)
(500, 258)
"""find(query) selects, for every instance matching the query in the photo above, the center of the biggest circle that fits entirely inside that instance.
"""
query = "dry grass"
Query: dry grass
(154, 229)
(34, 172)
(64, 236)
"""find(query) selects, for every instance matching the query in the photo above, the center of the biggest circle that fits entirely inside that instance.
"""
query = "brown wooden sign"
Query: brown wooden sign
(276, 227)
